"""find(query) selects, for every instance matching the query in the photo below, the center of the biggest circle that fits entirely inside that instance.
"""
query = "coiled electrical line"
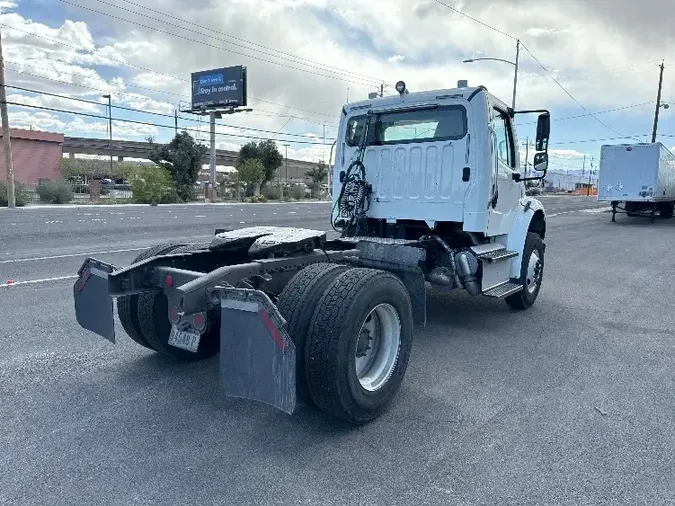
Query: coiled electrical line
(353, 202)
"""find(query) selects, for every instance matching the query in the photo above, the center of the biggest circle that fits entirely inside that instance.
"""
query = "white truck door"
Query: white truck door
(506, 191)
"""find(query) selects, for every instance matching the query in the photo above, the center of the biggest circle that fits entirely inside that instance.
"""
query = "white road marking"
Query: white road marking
(202, 216)
(36, 281)
(70, 255)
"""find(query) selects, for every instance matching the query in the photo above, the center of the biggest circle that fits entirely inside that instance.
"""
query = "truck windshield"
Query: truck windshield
(441, 123)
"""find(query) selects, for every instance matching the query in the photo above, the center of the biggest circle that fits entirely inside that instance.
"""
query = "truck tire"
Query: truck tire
(127, 306)
(666, 209)
(531, 273)
(358, 344)
(297, 303)
(155, 327)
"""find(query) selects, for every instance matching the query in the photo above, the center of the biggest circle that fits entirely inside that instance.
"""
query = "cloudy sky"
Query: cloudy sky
(305, 58)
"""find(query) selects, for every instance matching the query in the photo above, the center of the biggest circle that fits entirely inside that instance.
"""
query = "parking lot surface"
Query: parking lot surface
(569, 402)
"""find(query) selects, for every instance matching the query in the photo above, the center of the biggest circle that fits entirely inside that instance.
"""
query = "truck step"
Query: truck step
(494, 256)
(504, 290)
(486, 249)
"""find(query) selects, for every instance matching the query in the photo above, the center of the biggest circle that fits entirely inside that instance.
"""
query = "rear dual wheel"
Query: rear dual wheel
(358, 341)
(145, 318)
(127, 306)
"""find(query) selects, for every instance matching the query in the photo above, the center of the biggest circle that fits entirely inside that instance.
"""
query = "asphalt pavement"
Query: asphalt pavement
(569, 402)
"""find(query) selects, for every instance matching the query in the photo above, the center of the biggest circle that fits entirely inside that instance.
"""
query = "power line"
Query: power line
(476, 20)
(606, 111)
(153, 113)
(146, 123)
(361, 82)
(582, 141)
(123, 62)
(567, 92)
(535, 59)
(84, 86)
(291, 57)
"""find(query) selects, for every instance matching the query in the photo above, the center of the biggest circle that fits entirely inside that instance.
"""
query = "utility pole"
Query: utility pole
(324, 134)
(590, 175)
(527, 148)
(583, 167)
(381, 91)
(110, 146)
(515, 76)
(212, 156)
(286, 146)
(11, 201)
(658, 103)
(175, 120)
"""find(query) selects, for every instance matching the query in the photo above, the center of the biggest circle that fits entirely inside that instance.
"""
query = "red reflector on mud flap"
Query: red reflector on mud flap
(83, 279)
(278, 338)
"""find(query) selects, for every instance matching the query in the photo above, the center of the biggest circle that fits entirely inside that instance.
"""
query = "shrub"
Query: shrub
(55, 192)
(258, 199)
(298, 192)
(271, 192)
(152, 185)
(20, 195)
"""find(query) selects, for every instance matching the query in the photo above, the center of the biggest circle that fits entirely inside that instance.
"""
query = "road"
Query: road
(567, 403)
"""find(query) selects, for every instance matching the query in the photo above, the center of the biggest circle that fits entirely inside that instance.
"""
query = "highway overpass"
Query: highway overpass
(134, 149)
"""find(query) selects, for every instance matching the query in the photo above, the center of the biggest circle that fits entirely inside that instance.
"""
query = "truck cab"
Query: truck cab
(436, 158)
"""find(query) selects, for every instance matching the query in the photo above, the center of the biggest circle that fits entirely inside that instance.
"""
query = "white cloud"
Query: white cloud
(42, 121)
(568, 154)
(575, 42)
(54, 103)
(7, 5)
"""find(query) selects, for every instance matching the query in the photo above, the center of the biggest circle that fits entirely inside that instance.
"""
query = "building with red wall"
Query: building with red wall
(36, 155)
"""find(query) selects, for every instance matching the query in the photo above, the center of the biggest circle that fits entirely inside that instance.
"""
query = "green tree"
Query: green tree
(265, 151)
(317, 175)
(252, 172)
(152, 185)
(182, 158)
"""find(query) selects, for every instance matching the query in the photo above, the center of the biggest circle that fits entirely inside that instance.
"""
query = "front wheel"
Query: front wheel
(531, 273)
(358, 344)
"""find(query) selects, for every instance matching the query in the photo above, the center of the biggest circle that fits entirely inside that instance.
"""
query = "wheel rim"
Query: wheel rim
(377, 347)
(534, 271)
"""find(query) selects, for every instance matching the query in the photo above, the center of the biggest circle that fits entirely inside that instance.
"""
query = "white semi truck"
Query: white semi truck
(426, 189)
(638, 179)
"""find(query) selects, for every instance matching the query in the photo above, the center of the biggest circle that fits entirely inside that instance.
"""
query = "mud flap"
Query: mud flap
(93, 304)
(257, 357)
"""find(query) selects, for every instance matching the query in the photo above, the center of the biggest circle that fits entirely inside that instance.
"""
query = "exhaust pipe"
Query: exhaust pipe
(467, 266)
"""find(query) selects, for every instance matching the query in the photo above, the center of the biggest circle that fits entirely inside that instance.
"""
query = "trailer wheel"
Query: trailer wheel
(297, 303)
(153, 308)
(531, 273)
(358, 345)
(127, 306)
(666, 209)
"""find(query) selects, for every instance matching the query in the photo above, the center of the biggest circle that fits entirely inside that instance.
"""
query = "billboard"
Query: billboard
(224, 87)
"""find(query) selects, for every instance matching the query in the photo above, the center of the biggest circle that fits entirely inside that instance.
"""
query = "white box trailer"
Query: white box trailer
(638, 179)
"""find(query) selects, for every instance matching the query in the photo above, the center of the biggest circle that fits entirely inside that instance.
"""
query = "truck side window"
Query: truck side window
(502, 128)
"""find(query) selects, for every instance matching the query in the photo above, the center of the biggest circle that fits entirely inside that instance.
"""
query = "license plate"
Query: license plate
(184, 339)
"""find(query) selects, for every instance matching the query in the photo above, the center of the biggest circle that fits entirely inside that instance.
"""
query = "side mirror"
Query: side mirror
(543, 131)
(540, 162)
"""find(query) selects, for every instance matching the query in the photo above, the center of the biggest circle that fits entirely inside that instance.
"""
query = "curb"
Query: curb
(188, 204)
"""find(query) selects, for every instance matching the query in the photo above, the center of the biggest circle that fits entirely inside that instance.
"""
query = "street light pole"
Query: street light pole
(286, 146)
(516, 64)
(110, 146)
(658, 104)
(515, 74)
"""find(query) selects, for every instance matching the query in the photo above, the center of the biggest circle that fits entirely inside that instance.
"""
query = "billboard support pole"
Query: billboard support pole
(212, 157)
